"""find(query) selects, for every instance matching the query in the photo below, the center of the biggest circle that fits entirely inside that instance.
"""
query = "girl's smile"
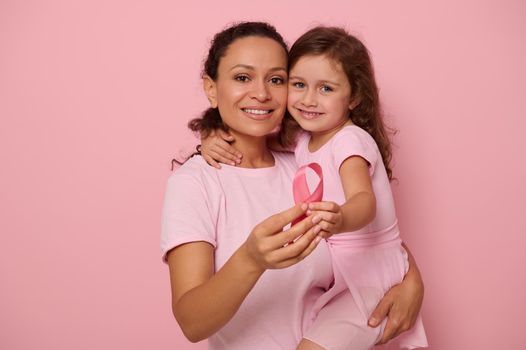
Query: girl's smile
(319, 95)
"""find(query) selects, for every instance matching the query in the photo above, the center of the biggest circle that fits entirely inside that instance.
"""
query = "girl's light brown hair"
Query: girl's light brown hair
(336, 44)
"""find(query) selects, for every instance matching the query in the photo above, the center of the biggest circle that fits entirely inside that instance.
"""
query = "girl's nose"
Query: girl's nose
(309, 99)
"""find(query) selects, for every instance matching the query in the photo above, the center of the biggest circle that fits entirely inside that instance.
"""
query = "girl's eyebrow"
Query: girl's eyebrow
(246, 66)
(292, 77)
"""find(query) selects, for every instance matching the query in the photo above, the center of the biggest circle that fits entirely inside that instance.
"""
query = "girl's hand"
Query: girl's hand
(267, 245)
(216, 148)
(328, 216)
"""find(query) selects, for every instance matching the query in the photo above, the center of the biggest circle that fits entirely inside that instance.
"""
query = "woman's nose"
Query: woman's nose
(260, 91)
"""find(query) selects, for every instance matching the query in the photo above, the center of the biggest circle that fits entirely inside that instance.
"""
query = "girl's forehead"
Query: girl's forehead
(317, 64)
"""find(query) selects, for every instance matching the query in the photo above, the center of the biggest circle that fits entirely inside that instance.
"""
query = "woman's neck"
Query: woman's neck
(255, 152)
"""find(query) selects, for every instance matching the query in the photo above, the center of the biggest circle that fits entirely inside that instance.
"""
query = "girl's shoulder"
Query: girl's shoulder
(353, 134)
(354, 131)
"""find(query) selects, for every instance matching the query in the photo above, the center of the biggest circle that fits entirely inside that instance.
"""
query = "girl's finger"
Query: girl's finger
(220, 158)
(325, 234)
(326, 206)
(211, 161)
(325, 216)
(326, 226)
(233, 153)
(225, 135)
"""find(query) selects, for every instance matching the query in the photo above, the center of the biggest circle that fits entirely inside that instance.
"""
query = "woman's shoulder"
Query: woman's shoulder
(194, 169)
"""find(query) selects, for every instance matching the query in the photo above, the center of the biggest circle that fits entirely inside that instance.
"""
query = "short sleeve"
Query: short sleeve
(353, 141)
(186, 214)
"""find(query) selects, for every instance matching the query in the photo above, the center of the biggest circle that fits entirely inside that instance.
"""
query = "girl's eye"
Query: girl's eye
(326, 88)
(277, 80)
(298, 85)
(242, 78)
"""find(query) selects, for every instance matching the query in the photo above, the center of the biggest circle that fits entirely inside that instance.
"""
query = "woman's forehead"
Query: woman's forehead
(256, 53)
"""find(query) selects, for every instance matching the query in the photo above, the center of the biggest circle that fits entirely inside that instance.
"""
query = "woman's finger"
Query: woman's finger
(306, 252)
(273, 225)
(295, 250)
(392, 329)
(285, 237)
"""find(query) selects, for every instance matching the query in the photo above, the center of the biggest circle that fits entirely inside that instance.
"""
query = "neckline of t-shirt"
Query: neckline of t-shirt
(253, 171)
(326, 144)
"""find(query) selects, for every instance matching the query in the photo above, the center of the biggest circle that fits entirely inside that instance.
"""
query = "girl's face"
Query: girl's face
(319, 94)
(250, 90)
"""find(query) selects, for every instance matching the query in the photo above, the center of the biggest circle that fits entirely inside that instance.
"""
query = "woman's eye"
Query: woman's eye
(298, 85)
(326, 88)
(277, 80)
(242, 78)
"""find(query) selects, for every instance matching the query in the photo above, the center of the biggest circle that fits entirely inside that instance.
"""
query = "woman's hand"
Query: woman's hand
(401, 304)
(328, 216)
(216, 148)
(269, 247)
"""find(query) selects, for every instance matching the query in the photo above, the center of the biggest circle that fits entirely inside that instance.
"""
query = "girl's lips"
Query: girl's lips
(308, 114)
(258, 113)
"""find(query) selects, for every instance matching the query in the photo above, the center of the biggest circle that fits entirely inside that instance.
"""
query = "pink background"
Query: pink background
(94, 99)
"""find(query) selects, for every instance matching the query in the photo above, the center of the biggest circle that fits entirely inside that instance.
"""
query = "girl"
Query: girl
(333, 97)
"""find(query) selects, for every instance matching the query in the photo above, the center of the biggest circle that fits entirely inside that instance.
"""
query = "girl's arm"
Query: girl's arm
(401, 304)
(216, 148)
(359, 208)
(203, 302)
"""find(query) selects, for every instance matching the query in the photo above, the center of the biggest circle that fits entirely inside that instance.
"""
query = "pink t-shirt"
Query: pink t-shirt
(222, 207)
(351, 141)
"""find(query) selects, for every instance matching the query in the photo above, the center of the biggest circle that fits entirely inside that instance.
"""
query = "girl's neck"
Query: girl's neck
(255, 152)
(320, 138)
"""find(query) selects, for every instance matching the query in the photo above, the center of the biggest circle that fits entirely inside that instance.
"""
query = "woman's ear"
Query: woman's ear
(209, 86)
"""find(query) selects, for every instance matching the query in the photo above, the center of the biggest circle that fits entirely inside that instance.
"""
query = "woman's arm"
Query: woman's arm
(401, 304)
(203, 302)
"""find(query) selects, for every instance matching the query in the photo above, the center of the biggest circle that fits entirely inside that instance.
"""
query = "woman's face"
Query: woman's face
(251, 86)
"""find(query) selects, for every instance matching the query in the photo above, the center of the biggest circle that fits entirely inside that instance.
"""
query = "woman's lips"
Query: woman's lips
(258, 113)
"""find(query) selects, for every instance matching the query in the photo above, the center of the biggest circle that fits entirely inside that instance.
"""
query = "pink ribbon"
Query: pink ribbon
(300, 189)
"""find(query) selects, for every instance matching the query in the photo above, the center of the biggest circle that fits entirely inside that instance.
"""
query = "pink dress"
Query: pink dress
(366, 262)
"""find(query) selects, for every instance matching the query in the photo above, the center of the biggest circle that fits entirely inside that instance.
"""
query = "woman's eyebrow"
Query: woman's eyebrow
(246, 66)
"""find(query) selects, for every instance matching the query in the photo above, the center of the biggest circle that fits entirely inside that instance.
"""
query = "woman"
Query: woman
(237, 283)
